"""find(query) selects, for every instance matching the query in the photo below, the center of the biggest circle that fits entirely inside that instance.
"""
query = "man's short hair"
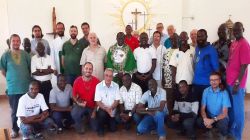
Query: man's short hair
(216, 73)
(35, 82)
(14, 35)
(59, 76)
(202, 30)
(85, 23)
(157, 32)
(73, 26)
(127, 74)
(37, 26)
(183, 82)
(87, 63)
(60, 23)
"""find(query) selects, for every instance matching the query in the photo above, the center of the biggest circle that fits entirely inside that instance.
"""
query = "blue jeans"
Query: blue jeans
(149, 122)
(236, 112)
(222, 125)
(59, 116)
(186, 125)
(13, 101)
(32, 129)
(80, 114)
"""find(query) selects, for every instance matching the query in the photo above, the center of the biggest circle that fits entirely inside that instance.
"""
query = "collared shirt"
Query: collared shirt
(97, 58)
(164, 37)
(85, 42)
(107, 95)
(130, 97)
(215, 101)
(44, 62)
(56, 51)
(17, 74)
(160, 51)
(132, 42)
(85, 90)
(72, 55)
(144, 57)
(34, 42)
(183, 61)
(205, 62)
(239, 55)
(59, 97)
(154, 102)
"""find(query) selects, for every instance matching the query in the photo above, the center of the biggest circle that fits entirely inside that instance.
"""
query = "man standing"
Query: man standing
(120, 58)
(27, 46)
(236, 75)
(56, 47)
(86, 30)
(164, 37)
(15, 67)
(37, 36)
(193, 36)
(130, 40)
(83, 95)
(146, 62)
(107, 98)
(205, 62)
(71, 55)
(171, 31)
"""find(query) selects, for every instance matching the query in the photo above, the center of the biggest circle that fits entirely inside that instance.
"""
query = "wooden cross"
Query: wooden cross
(132, 24)
(149, 30)
(144, 19)
(136, 13)
(53, 23)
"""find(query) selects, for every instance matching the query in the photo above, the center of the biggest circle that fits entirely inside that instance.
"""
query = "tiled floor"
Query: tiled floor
(119, 135)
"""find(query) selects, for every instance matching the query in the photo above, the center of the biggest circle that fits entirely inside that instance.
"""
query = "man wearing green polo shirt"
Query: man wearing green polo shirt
(71, 55)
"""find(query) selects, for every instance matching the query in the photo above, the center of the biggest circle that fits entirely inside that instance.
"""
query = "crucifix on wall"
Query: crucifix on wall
(53, 23)
(136, 13)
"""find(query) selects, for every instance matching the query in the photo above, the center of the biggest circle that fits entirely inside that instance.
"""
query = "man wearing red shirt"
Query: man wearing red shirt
(83, 95)
(130, 40)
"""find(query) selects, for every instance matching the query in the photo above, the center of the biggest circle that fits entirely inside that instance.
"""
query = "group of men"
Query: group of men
(136, 80)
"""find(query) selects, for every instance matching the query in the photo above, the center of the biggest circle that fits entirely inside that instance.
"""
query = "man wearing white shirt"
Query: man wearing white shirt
(160, 51)
(107, 98)
(42, 69)
(146, 62)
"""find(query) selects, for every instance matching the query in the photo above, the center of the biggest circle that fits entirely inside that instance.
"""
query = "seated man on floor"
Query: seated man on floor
(156, 111)
(130, 96)
(30, 119)
(214, 108)
(59, 100)
(185, 111)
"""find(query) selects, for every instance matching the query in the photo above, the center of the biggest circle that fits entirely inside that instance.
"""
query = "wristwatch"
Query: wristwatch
(215, 119)
(146, 109)
(237, 82)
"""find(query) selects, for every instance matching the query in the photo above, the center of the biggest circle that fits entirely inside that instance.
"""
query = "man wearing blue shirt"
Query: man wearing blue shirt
(214, 109)
(205, 62)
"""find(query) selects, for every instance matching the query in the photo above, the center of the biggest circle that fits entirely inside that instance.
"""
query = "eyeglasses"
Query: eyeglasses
(213, 80)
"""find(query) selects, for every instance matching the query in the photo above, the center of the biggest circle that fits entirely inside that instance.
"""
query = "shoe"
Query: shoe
(59, 131)
(153, 132)
(162, 138)
(39, 136)
(81, 130)
(14, 134)
(138, 133)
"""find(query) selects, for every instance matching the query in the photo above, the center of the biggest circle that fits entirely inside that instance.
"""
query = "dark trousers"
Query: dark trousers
(71, 79)
(104, 118)
(13, 101)
(143, 84)
(186, 125)
(197, 91)
(45, 88)
(59, 116)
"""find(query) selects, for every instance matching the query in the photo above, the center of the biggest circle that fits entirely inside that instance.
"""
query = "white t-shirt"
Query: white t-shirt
(184, 65)
(144, 58)
(38, 62)
(160, 51)
(29, 107)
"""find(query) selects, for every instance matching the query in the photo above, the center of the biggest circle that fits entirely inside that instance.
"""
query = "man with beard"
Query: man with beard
(146, 62)
(27, 46)
(71, 55)
(205, 62)
(56, 46)
(130, 40)
(86, 30)
(37, 36)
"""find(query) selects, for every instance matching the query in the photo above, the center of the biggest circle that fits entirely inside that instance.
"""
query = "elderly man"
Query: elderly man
(159, 28)
(171, 31)
(193, 36)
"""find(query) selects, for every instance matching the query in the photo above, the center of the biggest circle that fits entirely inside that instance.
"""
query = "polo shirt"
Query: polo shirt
(239, 54)
(132, 42)
(85, 90)
(72, 55)
(205, 62)
(183, 61)
(59, 97)
(215, 101)
(144, 57)
(168, 43)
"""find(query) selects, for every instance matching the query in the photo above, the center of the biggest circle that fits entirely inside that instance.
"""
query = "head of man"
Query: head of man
(27, 45)
(128, 30)
(222, 32)
(143, 39)
(60, 29)
(61, 82)
(87, 69)
(40, 49)
(202, 38)
(184, 41)
(34, 89)
(127, 80)
(73, 32)
(175, 40)
(215, 80)
(120, 38)
(156, 38)
(171, 30)
(92, 39)
(193, 35)
(15, 42)
(238, 30)
(37, 32)
(152, 86)
(108, 76)
(8, 42)
(183, 87)
(85, 28)
(159, 27)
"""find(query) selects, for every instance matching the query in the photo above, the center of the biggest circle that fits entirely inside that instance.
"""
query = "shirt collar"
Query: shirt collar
(157, 92)
(216, 91)
(104, 84)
